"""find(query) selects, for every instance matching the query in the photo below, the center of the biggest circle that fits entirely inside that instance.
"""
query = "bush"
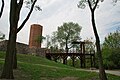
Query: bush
(112, 60)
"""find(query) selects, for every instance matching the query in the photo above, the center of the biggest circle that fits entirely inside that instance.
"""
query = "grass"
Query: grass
(38, 68)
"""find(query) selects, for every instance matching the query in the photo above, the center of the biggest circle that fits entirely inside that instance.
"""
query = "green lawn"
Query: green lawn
(37, 68)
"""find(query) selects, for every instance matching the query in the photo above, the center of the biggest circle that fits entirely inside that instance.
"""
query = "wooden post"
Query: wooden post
(73, 60)
(94, 59)
(81, 61)
(91, 60)
(83, 45)
(65, 59)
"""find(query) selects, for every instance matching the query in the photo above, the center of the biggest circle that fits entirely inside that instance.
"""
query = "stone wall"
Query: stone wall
(24, 49)
(3, 45)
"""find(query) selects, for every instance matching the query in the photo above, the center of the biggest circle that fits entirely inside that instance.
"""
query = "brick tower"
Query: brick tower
(35, 34)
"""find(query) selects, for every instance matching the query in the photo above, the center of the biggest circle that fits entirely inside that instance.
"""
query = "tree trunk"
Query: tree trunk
(8, 65)
(99, 53)
(65, 58)
(15, 59)
(66, 49)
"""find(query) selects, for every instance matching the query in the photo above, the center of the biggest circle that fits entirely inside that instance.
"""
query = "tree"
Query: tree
(53, 40)
(112, 41)
(90, 45)
(39, 39)
(2, 36)
(66, 34)
(92, 6)
(10, 59)
(2, 7)
(47, 41)
(111, 50)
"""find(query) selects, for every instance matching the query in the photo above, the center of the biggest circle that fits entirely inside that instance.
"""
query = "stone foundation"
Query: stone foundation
(24, 49)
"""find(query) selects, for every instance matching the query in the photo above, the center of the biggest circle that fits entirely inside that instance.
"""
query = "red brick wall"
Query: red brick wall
(35, 32)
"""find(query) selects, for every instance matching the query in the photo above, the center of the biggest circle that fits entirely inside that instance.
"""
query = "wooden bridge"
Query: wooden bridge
(81, 55)
(73, 56)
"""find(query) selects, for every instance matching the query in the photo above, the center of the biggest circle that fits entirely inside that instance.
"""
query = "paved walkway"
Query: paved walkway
(114, 72)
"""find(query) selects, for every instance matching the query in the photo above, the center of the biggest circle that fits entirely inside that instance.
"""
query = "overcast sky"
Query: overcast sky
(55, 12)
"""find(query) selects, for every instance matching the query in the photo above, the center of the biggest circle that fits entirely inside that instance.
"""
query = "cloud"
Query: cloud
(55, 12)
(52, 17)
(107, 18)
(4, 21)
(45, 3)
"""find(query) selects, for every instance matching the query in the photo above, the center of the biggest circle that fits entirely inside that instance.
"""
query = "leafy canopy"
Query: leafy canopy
(111, 50)
(112, 41)
(67, 33)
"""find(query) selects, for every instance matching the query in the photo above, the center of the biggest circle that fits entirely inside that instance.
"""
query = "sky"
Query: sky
(55, 12)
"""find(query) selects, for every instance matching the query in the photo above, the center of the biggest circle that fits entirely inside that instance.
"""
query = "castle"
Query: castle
(34, 46)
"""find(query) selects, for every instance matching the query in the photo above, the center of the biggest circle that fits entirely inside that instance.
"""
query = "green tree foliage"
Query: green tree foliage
(111, 50)
(76, 62)
(112, 41)
(40, 39)
(66, 34)
(2, 36)
(54, 42)
(48, 41)
(90, 45)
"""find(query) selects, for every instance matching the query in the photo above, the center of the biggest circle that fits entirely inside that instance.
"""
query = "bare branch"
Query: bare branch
(20, 5)
(90, 6)
(2, 8)
(21, 26)
(96, 3)
(37, 7)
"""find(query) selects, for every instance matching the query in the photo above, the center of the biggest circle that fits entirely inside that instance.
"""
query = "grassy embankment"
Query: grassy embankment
(37, 68)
